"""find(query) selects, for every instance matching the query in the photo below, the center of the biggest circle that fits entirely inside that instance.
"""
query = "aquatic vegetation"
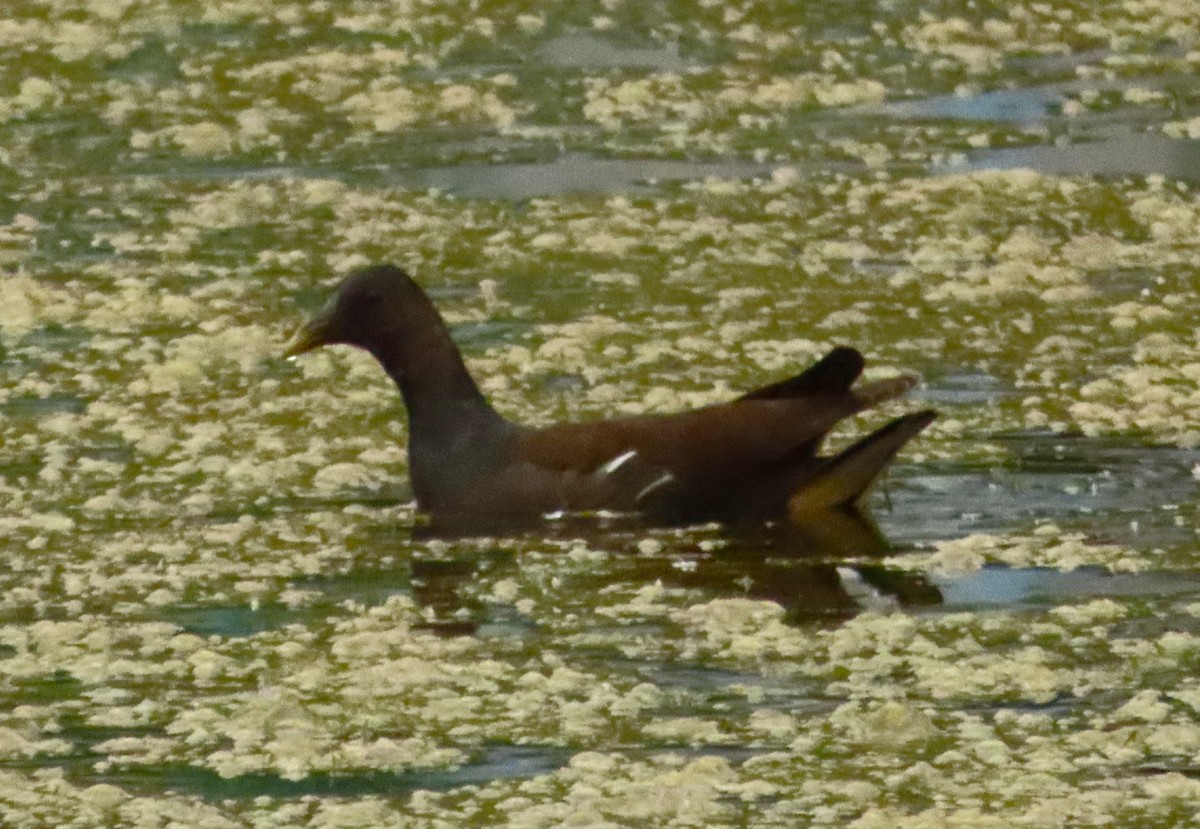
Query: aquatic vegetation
(218, 608)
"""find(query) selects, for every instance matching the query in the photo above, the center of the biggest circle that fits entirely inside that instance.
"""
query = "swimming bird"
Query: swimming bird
(754, 458)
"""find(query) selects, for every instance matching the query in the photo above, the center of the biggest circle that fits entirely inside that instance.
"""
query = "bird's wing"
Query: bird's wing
(701, 455)
(750, 451)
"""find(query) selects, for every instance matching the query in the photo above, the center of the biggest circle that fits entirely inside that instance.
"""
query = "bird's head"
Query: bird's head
(370, 307)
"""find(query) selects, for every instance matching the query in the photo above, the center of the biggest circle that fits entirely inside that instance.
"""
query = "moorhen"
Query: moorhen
(751, 459)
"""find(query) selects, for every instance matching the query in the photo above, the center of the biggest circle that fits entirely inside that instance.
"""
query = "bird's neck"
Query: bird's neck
(445, 406)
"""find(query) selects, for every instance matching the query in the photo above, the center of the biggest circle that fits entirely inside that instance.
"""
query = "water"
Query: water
(218, 605)
(572, 174)
(585, 50)
(1009, 588)
(1121, 156)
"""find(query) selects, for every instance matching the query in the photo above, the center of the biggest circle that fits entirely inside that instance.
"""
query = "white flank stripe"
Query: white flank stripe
(617, 462)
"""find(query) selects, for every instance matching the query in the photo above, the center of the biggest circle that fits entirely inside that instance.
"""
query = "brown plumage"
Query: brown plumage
(753, 458)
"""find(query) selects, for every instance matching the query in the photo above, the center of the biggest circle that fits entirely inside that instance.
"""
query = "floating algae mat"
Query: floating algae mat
(218, 607)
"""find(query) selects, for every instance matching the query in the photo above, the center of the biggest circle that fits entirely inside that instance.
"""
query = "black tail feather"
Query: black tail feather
(835, 372)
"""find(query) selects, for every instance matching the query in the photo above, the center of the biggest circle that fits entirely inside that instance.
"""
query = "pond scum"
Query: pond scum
(217, 608)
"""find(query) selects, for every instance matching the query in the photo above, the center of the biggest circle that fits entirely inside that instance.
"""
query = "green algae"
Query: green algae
(217, 607)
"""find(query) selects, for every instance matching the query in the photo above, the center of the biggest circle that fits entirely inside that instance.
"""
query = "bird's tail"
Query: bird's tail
(872, 394)
(845, 477)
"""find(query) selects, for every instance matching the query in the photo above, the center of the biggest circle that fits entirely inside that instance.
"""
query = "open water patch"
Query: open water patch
(571, 173)
(494, 763)
(586, 50)
(1130, 155)
(998, 586)
(1113, 488)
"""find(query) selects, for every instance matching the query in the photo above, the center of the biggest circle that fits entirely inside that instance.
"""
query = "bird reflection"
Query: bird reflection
(813, 568)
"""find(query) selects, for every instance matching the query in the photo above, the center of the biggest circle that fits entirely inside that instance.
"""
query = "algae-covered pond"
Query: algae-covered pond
(218, 607)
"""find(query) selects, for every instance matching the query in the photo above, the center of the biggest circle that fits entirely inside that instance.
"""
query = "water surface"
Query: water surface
(218, 605)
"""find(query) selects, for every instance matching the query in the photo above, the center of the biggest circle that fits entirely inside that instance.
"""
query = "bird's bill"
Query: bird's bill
(313, 334)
